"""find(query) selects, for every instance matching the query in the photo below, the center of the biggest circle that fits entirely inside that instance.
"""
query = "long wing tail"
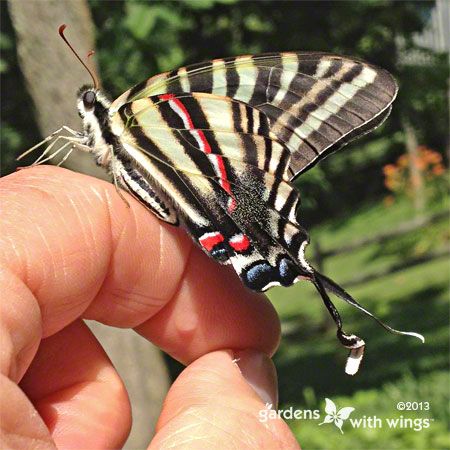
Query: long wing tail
(351, 341)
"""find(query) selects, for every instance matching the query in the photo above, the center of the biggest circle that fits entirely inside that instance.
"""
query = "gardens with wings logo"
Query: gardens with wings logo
(335, 415)
(413, 417)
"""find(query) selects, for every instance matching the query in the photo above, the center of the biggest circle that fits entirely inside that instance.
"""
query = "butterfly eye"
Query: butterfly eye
(88, 99)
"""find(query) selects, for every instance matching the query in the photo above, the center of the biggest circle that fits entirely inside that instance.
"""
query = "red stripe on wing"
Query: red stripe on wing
(181, 110)
(240, 242)
(209, 240)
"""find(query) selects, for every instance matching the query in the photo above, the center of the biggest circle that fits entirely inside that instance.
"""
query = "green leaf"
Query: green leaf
(4, 66)
(199, 4)
(140, 19)
(6, 42)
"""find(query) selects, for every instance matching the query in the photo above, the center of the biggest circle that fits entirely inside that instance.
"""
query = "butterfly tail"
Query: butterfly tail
(356, 345)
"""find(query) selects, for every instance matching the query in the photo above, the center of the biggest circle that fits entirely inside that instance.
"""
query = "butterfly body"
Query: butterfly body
(214, 148)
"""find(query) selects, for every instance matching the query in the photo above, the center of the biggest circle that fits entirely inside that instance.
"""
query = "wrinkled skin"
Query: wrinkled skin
(70, 248)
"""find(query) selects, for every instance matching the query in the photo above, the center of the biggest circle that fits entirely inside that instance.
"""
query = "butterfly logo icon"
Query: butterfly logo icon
(335, 416)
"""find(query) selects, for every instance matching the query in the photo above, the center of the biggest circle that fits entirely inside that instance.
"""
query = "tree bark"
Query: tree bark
(52, 73)
(53, 76)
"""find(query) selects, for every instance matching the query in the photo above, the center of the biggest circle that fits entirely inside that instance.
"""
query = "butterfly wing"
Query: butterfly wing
(220, 164)
(315, 102)
(220, 168)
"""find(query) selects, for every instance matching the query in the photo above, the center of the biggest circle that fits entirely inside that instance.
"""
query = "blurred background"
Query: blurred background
(377, 210)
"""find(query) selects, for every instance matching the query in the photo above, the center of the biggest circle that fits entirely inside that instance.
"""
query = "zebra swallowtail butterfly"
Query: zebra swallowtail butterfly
(214, 147)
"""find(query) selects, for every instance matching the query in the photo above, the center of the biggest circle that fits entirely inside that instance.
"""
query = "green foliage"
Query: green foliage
(427, 109)
(382, 404)
(6, 44)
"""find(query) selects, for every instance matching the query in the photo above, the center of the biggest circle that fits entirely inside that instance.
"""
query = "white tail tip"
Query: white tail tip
(354, 360)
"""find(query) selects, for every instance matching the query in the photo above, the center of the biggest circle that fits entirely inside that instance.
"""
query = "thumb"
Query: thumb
(219, 402)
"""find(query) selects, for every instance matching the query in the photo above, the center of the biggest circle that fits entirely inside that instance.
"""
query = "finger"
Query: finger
(20, 426)
(212, 310)
(215, 404)
(93, 256)
(77, 391)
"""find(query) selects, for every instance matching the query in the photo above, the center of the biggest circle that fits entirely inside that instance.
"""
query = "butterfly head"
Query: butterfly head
(87, 96)
(91, 102)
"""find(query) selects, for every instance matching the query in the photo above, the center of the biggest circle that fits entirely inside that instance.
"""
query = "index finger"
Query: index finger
(72, 244)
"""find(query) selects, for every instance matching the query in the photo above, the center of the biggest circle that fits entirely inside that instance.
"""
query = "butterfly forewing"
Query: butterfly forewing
(315, 102)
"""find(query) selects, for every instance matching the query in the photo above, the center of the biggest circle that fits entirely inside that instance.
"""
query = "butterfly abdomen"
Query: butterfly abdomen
(141, 184)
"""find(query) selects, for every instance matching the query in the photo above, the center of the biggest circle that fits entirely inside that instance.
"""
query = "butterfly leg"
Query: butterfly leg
(49, 138)
(69, 130)
(66, 156)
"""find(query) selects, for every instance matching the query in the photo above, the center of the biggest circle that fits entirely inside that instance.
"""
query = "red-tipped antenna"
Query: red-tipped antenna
(91, 73)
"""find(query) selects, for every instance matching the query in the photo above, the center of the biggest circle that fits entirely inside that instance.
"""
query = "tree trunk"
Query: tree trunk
(52, 73)
(53, 76)
(144, 371)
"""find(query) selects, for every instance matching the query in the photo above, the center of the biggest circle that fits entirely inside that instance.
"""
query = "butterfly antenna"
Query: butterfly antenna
(91, 73)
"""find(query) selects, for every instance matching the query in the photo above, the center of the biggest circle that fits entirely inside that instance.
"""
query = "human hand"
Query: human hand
(70, 249)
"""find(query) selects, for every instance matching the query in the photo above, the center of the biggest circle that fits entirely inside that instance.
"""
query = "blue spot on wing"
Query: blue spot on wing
(284, 267)
(261, 273)
(288, 272)
(258, 272)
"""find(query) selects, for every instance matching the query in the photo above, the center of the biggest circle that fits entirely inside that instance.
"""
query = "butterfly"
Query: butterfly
(215, 148)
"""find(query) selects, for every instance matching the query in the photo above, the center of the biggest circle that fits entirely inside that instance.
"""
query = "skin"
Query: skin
(71, 249)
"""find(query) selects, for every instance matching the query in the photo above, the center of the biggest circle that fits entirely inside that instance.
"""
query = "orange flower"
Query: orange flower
(398, 177)
(435, 158)
(438, 170)
(402, 161)
(430, 156)
(420, 163)
(389, 169)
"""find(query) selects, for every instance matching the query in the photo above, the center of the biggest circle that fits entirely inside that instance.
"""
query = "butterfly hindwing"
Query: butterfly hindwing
(226, 176)
(315, 102)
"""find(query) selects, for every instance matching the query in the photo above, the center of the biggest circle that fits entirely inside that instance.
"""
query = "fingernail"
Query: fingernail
(259, 372)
